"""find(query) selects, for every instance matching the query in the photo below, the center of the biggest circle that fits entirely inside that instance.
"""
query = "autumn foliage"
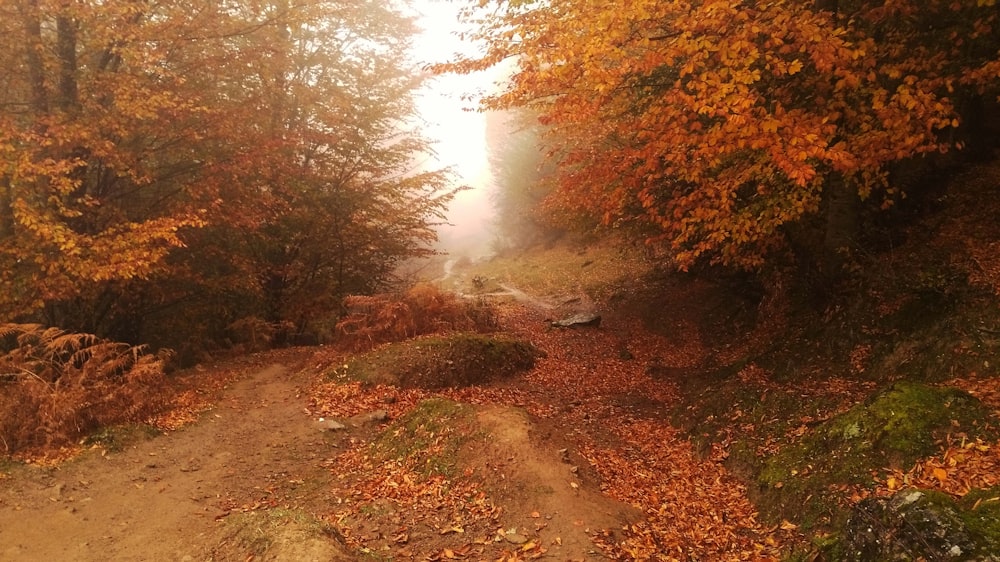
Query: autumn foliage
(168, 169)
(719, 129)
(56, 387)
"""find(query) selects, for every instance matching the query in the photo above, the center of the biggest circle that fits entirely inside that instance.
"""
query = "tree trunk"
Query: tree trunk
(33, 54)
(69, 98)
(843, 207)
(6, 208)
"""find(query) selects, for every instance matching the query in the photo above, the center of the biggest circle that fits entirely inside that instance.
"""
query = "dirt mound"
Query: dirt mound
(451, 360)
(449, 480)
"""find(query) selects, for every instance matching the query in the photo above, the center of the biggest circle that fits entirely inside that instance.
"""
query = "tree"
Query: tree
(90, 176)
(353, 206)
(177, 166)
(717, 125)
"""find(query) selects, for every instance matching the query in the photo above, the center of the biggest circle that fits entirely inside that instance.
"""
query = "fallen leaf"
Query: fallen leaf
(941, 474)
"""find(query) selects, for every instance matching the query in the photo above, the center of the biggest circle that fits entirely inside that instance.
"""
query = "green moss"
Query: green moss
(7, 466)
(894, 427)
(429, 436)
(460, 359)
(980, 511)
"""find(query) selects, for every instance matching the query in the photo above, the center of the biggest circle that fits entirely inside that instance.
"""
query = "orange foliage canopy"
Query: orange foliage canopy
(713, 124)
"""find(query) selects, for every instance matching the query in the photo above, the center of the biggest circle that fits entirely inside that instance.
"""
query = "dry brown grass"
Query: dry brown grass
(56, 387)
(423, 309)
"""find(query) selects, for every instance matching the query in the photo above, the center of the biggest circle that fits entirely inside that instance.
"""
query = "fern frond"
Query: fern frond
(12, 329)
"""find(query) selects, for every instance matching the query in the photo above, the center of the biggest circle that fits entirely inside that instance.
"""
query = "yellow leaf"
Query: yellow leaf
(941, 474)
(891, 483)
(788, 526)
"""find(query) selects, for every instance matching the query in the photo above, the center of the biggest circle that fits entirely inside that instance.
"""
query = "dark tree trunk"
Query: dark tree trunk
(33, 54)
(69, 98)
(843, 208)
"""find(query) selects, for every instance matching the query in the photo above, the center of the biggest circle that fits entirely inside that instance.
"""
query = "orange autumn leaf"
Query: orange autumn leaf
(941, 474)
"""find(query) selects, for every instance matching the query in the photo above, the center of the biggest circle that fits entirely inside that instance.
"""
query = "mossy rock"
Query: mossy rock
(454, 360)
(893, 428)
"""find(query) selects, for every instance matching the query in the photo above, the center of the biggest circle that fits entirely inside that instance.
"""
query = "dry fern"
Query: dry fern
(58, 386)
(423, 309)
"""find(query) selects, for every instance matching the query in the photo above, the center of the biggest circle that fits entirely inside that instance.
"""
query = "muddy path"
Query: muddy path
(168, 498)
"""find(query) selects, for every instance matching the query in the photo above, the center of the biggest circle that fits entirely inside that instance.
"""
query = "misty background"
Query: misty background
(447, 107)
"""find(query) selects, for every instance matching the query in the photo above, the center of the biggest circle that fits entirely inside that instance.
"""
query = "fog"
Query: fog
(448, 117)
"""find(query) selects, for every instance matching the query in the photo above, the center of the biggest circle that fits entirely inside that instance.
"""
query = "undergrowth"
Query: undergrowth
(423, 309)
(56, 387)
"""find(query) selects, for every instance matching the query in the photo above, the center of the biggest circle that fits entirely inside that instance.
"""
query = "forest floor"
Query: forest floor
(579, 458)
(575, 460)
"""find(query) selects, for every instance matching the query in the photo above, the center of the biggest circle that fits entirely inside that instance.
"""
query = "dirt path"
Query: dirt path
(255, 479)
(168, 498)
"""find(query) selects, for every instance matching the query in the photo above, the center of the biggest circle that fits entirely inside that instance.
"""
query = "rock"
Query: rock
(329, 425)
(375, 416)
(913, 525)
(515, 538)
(578, 319)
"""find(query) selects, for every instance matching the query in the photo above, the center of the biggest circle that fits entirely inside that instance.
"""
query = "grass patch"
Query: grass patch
(429, 436)
(283, 534)
(451, 360)
(115, 439)
(600, 270)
